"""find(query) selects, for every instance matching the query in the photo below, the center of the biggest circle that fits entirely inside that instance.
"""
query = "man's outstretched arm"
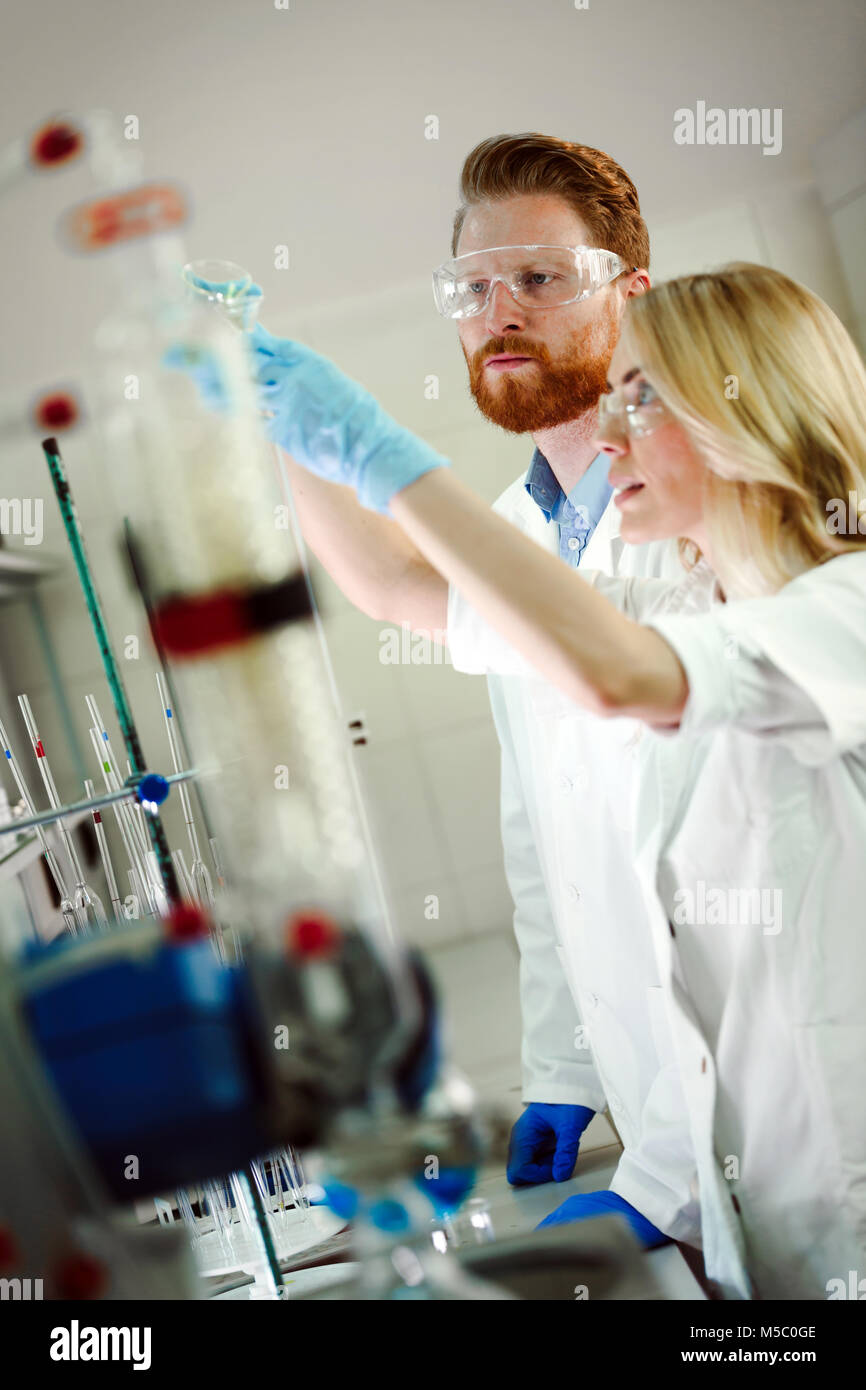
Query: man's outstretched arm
(368, 556)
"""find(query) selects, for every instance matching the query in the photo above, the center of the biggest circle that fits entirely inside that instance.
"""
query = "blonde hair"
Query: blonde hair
(772, 392)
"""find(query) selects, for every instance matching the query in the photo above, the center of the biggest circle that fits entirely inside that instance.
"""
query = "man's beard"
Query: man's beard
(560, 390)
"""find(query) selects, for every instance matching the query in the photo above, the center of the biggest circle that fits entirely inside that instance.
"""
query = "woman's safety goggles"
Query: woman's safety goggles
(634, 409)
(536, 277)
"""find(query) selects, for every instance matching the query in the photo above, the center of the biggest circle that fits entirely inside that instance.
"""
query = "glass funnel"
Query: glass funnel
(228, 286)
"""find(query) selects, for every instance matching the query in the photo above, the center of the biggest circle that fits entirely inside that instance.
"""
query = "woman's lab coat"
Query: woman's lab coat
(761, 1002)
(749, 829)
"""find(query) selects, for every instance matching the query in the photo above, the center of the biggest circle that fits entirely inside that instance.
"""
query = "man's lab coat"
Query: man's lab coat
(595, 1031)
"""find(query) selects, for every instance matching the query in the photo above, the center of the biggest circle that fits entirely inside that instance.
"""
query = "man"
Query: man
(594, 1028)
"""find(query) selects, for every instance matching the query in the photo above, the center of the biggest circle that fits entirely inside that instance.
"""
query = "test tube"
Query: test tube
(87, 906)
(140, 885)
(199, 875)
(136, 827)
(183, 876)
(108, 868)
(66, 907)
(160, 897)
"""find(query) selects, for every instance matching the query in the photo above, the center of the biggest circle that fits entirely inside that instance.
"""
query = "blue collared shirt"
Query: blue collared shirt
(578, 514)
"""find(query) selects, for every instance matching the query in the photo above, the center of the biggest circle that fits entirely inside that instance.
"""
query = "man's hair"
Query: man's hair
(601, 193)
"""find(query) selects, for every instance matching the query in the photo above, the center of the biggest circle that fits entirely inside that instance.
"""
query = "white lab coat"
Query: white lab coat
(762, 789)
(595, 1028)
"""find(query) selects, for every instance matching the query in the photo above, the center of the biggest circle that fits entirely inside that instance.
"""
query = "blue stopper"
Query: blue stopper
(153, 788)
(342, 1199)
(447, 1191)
(389, 1215)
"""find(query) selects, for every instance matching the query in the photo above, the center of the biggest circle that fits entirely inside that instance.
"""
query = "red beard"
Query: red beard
(560, 390)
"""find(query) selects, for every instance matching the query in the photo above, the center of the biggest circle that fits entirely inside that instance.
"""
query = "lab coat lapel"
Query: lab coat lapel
(604, 547)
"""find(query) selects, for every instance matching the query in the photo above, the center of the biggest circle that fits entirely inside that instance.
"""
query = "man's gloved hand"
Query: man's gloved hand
(585, 1205)
(332, 425)
(544, 1143)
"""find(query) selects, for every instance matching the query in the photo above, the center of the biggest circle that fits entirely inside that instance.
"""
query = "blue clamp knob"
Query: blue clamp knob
(153, 788)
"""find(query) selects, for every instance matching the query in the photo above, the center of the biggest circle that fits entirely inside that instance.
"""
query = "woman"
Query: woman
(737, 422)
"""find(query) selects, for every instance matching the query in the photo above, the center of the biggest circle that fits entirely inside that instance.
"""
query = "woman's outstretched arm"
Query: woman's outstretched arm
(571, 634)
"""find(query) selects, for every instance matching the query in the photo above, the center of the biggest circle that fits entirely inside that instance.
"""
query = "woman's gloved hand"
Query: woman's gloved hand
(584, 1205)
(332, 425)
(544, 1143)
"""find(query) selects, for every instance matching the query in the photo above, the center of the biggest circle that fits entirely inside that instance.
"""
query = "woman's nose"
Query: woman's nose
(611, 440)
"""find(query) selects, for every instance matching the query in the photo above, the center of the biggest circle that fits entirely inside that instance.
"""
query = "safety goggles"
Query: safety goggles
(537, 277)
(635, 410)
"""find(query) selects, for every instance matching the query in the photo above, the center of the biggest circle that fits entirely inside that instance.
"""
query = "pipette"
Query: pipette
(199, 875)
(102, 842)
(138, 814)
(183, 876)
(215, 855)
(291, 1159)
(145, 862)
(138, 877)
(135, 827)
(160, 898)
(220, 892)
(138, 892)
(86, 903)
(66, 907)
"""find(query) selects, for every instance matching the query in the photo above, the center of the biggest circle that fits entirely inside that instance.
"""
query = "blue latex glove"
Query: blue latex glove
(200, 363)
(544, 1143)
(332, 425)
(585, 1205)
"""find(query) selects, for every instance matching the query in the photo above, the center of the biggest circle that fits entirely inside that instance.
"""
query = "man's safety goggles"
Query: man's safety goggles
(536, 277)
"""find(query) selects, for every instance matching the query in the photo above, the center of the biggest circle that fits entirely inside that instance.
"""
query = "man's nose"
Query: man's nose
(503, 314)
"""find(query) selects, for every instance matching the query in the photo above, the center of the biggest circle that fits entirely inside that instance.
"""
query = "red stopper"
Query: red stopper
(8, 1248)
(54, 144)
(80, 1276)
(312, 933)
(186, 922)
(56, 412)
(188, 626)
